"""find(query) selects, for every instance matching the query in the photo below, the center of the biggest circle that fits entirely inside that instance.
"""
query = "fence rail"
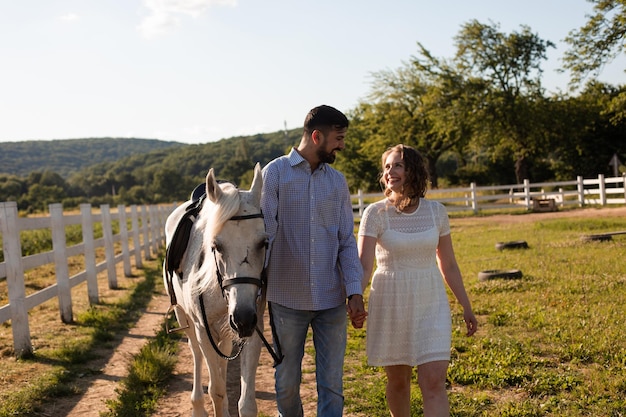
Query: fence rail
(581, 192)
(145, 236)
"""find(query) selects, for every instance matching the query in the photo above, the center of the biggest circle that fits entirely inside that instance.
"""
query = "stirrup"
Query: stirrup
(169, 311)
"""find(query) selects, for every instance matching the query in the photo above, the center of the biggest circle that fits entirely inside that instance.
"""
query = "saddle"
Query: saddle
(178, 245)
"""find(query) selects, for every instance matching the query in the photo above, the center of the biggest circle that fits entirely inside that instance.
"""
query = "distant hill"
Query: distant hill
(67, 156)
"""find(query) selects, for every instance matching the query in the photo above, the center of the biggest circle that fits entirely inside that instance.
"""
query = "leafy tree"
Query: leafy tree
(587, 138)
(405, 108)
(11, 187)
(510, 66)
(598, 41)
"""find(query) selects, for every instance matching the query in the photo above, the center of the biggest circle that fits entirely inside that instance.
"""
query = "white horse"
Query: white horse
(216, 287)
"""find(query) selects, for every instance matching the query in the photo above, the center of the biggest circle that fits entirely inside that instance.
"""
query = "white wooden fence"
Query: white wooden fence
(146, 235)
(581, 192)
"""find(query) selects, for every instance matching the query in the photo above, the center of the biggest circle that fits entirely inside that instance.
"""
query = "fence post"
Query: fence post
(15, 278)
(580, 186)
(154, 227)
(59, 251)
(473, 196)
(146, 235)
(624, 185)
(136, 241)
(90, 254)
(109, 249)
(602, 189)
(527, 194)
(121, 213)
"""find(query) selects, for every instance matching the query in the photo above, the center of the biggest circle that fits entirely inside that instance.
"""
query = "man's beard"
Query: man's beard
(326, 157)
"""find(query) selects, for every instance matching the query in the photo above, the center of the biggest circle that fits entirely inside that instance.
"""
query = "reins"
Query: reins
(181, 242)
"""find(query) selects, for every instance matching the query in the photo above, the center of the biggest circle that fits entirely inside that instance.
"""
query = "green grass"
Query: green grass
(549, 344)
(148, 374)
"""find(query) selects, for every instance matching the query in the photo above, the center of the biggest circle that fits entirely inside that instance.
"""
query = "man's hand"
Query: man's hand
(356, 311)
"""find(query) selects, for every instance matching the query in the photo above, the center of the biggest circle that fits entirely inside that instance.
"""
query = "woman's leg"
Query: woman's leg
(399, 390)
(431, 378)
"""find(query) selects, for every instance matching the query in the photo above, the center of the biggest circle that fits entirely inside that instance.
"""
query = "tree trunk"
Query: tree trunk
(521, 170)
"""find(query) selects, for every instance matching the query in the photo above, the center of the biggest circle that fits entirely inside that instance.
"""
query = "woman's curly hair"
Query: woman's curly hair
(416, 181)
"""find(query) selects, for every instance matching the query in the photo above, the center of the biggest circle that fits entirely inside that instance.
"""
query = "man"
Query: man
(313, 262)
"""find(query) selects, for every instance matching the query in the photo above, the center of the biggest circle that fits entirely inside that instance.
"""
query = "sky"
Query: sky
(197, 71)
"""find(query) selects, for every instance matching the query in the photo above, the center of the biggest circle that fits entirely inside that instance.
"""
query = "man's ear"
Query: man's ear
(316, 136)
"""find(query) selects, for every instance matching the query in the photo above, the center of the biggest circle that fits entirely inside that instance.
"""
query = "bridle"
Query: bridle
(191, 214)
(225, 283)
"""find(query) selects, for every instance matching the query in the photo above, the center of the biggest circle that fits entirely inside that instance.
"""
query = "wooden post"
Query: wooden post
(15, 278)
(602, 190)
(90, 254)
(109, 249)
(121, 213)
(580, 186)
(136, 241)
(59, 246)
(154, 227)
(146, 235)
(474, 199)
(527, 194)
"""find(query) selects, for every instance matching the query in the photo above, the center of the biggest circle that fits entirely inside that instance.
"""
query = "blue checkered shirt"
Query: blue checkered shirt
(313, 260)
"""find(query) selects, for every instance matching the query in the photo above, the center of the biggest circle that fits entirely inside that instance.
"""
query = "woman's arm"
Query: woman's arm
(452, 275)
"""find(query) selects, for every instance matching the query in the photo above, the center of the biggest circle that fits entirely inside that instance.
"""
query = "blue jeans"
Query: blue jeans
(329, 340)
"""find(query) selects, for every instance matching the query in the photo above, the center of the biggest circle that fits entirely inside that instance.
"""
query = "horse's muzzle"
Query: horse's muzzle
(243, 321)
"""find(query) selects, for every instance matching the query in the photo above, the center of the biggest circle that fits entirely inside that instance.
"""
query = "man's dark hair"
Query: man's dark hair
(324, 118)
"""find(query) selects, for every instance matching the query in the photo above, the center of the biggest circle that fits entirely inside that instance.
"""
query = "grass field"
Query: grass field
(549, 344)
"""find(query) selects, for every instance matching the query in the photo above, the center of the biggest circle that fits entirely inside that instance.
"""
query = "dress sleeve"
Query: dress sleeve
(443, 219)
(371, 221)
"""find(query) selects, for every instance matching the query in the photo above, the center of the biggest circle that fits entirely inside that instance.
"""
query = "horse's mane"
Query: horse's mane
(214, 216)
(220, 213)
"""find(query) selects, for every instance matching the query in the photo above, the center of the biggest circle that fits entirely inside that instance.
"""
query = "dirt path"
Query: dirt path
(177, 402)
(99, 385)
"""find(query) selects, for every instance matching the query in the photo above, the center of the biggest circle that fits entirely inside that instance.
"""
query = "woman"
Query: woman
(409, 315)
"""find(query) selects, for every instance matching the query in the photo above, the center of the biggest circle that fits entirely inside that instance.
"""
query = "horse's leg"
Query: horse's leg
(249, 362)
(217, 376)
(197, 394)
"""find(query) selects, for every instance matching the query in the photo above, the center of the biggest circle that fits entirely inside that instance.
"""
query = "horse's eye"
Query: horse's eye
(217, 246)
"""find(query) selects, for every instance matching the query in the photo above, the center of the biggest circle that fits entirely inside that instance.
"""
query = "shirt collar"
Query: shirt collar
(296, 159)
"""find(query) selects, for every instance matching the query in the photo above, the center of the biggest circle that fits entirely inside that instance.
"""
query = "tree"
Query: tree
(597, 42)
(406, 107)
(510, 67)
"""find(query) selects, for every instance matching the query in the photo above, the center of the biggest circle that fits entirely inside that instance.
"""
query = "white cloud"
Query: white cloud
(165, 15)
(70, 17)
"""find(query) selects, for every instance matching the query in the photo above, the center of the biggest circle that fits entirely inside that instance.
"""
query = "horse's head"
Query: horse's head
(238, 244)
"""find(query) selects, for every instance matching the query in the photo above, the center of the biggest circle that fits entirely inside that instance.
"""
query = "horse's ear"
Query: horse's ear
(213, 190)
(257, 183)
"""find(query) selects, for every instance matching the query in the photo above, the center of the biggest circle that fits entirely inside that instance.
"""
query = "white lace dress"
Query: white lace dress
(409, 314)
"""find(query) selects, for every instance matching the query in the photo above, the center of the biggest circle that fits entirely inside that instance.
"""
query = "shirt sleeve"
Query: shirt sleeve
(269, 203)
(349, 262)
